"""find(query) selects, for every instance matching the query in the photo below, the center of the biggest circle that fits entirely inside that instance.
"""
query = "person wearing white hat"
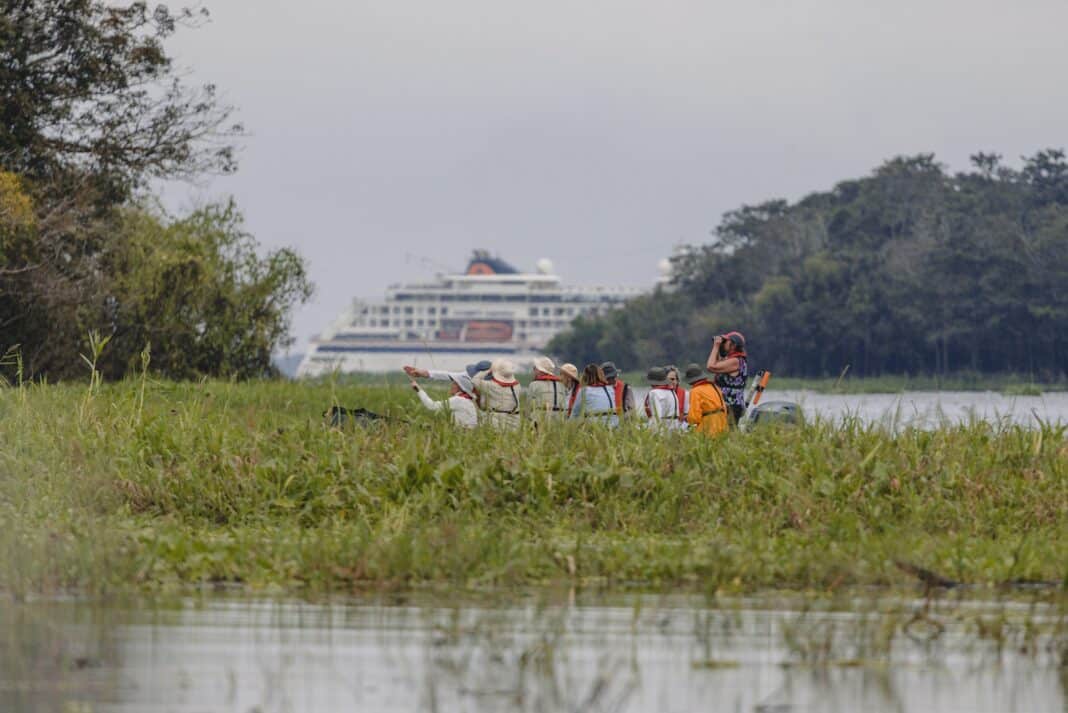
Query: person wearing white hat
(569, 377)
(546, 394)
(499, 395)
(461, 401)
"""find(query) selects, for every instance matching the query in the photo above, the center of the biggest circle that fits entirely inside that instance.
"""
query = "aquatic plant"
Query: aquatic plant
(150, 484)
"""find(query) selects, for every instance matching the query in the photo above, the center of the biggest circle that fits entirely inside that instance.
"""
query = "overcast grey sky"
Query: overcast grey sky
(597, 134)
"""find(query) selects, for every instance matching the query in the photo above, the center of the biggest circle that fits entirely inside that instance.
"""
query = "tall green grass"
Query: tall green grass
(158, 485)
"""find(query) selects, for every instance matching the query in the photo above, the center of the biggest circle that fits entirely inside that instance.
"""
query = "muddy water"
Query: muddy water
(545, 653)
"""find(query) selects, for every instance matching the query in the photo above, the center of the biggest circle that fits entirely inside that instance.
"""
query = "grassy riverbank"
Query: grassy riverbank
(148, 486)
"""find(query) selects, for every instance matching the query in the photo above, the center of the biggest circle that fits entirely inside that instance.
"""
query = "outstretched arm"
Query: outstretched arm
(427, 401)
(417, 373)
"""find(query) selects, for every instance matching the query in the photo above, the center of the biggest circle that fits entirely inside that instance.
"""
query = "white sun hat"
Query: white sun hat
(464, 382)
(545, 365)
(503, 370)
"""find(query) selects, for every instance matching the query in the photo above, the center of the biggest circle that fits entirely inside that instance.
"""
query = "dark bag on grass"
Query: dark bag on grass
(341, 416)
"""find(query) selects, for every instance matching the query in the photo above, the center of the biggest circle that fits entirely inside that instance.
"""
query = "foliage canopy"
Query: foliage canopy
(908, 270)
(91, 109)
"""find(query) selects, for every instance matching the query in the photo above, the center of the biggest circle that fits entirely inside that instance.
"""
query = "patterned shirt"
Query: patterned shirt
(733, 387)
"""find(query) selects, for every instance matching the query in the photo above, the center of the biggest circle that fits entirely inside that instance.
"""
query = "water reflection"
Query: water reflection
(548, 653)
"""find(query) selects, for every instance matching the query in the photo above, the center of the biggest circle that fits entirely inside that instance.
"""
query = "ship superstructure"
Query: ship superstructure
(490, 310)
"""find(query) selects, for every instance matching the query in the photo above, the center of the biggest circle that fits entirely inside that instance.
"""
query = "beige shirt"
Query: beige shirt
(547, 398)
(501, 402)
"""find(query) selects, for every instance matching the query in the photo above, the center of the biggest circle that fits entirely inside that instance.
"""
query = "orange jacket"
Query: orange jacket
(707, 412)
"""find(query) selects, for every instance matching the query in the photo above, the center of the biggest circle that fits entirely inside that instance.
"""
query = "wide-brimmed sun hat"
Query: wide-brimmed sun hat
(545, 365)
(464, 382)
(694, 372)
(657, 376)
(477, 367)
(571, 370)
(503, 370)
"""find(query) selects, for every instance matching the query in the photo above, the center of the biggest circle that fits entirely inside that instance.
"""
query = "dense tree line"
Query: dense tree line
(91, 110)
(909, 270)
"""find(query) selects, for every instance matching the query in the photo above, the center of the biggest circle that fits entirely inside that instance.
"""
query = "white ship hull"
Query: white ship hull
(490, 311)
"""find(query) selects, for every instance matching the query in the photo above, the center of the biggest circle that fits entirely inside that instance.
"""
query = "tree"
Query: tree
(197, 291)
(91, 109)
(87, 91)
(907, 270)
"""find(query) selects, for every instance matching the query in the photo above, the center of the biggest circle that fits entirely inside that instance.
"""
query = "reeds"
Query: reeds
(148, 485)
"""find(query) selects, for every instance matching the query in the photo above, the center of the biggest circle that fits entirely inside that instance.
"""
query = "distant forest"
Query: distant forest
(911, 270)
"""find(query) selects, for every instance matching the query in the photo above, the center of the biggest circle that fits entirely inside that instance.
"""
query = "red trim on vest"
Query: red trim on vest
(700, 381)
(546, 377)
(505, 384)
(464, 395)
(680, 399)
(571, 399)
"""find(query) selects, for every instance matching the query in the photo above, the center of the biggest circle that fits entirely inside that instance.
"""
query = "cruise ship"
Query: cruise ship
(489, 310)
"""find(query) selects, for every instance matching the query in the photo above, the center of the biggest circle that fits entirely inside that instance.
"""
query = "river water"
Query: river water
(930, 409)
(925, 409)
(534, 652)
(557, 651)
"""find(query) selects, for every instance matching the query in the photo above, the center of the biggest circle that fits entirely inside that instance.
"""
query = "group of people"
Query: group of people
(488, 392)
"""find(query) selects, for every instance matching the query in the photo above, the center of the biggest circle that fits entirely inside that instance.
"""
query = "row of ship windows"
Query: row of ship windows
(450, 297)
(533, 323)
(533, 311)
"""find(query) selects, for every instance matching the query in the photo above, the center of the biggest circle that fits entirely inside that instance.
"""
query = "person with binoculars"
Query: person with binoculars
(728, 362)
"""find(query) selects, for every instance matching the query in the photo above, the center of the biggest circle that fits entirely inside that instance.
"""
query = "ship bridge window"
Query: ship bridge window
(431, 310)
(384, 323)
(533, 311)
(407, 323)
(558, 311)
(407, 310)
(444, 310)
